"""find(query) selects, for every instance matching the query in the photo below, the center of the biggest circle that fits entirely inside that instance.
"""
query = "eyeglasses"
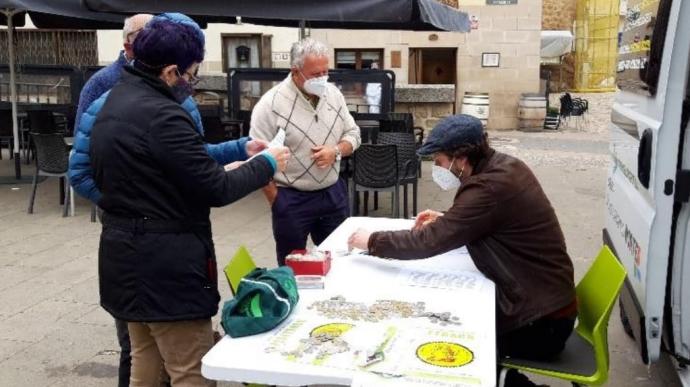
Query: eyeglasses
(193, 78)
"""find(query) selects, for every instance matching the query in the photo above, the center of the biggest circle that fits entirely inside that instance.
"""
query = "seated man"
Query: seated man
(502, 215)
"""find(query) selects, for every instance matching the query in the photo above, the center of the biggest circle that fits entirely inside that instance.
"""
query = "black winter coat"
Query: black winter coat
(156, 255)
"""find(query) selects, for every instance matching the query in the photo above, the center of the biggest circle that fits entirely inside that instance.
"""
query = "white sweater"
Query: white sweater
(284, 106)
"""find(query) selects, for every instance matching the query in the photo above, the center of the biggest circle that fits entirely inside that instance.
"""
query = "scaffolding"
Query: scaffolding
(596, 45)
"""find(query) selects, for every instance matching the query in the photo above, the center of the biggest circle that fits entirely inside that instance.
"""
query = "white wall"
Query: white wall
(110, 43)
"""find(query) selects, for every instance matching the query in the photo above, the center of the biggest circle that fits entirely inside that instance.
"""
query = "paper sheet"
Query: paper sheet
(278, 141)
(459, 280)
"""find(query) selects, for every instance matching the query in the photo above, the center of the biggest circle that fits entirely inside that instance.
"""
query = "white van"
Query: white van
(647, 208)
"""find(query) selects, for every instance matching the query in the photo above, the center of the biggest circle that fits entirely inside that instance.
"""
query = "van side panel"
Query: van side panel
(639, 216)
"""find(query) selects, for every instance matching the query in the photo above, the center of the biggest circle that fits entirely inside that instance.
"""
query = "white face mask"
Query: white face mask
(316, 86)
(444, 178)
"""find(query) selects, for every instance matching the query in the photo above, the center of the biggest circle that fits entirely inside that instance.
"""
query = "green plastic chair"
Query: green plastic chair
(585, 359)
(239, 266)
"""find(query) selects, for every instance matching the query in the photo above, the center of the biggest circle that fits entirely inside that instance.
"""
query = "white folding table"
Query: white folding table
(365, 278)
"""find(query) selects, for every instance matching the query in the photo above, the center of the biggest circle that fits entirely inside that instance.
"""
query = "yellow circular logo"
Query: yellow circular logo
(332, 330)
(444, 354)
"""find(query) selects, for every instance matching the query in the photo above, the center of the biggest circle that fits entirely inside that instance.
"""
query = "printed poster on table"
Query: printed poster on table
(409, 355)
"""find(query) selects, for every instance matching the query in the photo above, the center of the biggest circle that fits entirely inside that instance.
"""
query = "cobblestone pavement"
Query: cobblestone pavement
(54, 333)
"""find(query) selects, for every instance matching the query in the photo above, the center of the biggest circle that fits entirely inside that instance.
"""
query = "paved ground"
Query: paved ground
(53, 333)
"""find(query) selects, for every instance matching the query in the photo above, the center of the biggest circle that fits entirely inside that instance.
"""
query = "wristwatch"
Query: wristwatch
(338, 154)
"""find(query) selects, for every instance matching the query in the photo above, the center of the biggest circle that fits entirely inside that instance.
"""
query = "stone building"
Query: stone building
(559, 15)
(433, 69)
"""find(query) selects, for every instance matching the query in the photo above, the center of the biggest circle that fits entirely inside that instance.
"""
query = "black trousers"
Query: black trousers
(540, 340)
(125, 353)
(298, 214)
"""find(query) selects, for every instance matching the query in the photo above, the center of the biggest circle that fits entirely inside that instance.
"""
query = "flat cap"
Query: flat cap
(453, 132)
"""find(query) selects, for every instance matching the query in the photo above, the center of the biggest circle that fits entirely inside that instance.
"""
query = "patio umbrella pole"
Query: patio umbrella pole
(9, 13)
(302, 29)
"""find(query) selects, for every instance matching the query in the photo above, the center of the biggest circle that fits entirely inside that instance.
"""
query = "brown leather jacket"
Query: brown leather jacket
(512, 234)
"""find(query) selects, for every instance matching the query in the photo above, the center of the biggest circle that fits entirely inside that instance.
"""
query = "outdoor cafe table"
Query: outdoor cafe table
(365, 279)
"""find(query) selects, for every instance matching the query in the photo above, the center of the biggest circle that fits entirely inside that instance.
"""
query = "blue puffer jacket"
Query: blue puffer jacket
(80, 174)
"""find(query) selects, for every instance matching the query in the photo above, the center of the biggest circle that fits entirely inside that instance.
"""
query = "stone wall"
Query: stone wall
(558, 14)
(426, 115)
(513, 31)
(427, 103)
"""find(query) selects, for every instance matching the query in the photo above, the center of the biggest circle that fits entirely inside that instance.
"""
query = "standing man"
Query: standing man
(105, 78)
(309, 197)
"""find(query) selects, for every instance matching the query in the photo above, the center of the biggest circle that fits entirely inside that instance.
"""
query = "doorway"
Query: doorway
(432, 66)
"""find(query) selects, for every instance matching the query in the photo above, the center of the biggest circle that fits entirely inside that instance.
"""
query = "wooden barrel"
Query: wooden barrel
(477, 105)
(531, 112)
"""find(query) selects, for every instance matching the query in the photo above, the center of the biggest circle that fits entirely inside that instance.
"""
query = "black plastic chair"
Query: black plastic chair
(397, 122)
(216, 129)
(403, 123)
(52, 160)
(42, 122)
(408, 163)
(573, 107)
(376, 170)
(369, 131)
(6, 133)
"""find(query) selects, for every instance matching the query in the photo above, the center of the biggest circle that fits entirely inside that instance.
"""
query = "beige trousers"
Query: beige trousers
(176, 346)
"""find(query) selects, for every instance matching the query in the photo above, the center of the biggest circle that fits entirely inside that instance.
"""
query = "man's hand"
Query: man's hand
(271, 192)
(425, 218)
(255, 146)
(359, 240)
(323, 155)
(281, 154)
(233, 165)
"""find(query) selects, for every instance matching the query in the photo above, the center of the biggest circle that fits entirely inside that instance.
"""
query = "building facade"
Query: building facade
(500, 56)
(434, 70)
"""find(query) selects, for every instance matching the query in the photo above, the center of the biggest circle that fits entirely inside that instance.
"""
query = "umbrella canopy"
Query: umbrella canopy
(69, 14)
(416, 15)
(63, 14)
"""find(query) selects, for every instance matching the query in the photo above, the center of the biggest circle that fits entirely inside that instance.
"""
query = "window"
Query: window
(355, 93)
(358, 59)
(246, 51)
(642, 45)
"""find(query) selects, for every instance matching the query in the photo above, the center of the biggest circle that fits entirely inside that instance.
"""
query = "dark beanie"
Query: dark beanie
(162, 43)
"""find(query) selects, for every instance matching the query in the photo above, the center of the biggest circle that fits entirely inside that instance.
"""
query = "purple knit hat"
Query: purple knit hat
(163, 42)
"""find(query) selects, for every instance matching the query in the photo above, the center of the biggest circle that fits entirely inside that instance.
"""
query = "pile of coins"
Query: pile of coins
(321, 345)
(442, 319)
(339, 308)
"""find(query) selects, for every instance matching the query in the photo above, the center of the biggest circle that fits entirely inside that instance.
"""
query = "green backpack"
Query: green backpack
(263, 300)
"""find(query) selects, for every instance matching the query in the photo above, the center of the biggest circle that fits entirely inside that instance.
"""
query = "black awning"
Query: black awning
(417, 15)
(62, 14)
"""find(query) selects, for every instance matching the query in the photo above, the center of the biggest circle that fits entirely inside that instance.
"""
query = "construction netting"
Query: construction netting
(596, 45)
